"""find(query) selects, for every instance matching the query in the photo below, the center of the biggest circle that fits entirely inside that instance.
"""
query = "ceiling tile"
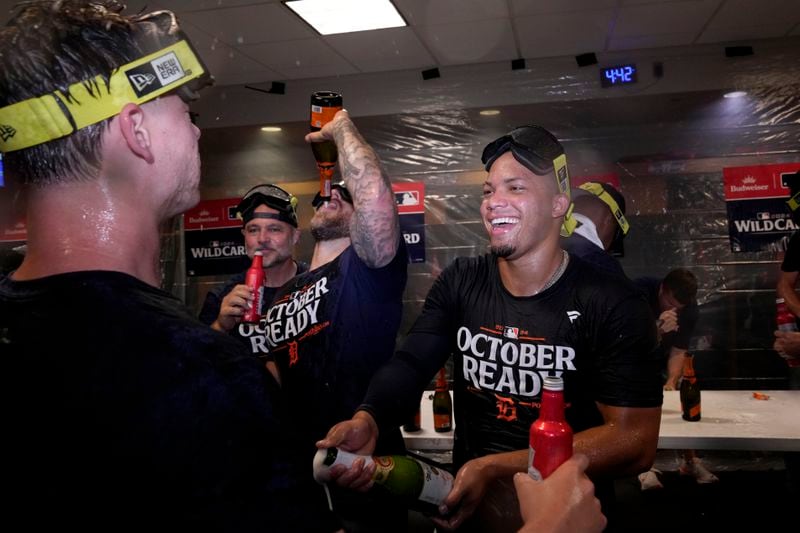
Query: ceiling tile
(251, 24)
(655, 19)
(719, 35)
(183, 6)
(427, 13)
(563, 33)
(651, 41)
(744, 13)
(396, 49)
(521, 8)
(306, 58)
(227, 64)
(455, 44)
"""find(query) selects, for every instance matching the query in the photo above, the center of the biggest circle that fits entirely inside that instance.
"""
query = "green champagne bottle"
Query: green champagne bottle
(442, 405)
(421, 486)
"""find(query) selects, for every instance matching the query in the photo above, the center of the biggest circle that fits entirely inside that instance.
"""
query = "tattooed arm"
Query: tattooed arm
(375, 226)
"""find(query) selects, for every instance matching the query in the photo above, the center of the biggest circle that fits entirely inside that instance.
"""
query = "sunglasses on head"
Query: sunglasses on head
(533, 146)
(343, 192)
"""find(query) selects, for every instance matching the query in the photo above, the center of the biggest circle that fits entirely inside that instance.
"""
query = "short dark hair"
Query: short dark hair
(48, 46)
(682, 284)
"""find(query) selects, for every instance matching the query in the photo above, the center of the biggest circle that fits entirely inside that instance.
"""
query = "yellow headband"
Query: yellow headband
(600, 192)
(52, 116)
(562, 181)
(794, 202)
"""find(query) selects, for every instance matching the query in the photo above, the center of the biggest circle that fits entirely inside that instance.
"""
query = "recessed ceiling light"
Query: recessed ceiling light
(735, 94)
(271, 128)
(490, 112)
(344, 16)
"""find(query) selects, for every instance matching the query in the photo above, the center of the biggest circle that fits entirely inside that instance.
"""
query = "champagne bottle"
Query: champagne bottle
(690, 392)
(324, 105)
(550, 438)
(415, 422)
(442, 405)
(420, 485)
(255, 279)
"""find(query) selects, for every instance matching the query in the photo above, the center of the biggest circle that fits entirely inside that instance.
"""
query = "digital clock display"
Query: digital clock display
(620, 75)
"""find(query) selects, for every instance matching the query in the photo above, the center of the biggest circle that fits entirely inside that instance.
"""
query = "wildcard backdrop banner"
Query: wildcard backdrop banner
(215, 246)
(758, 217)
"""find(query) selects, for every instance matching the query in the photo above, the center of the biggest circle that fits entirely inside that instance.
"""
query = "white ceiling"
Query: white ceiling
(246, 41)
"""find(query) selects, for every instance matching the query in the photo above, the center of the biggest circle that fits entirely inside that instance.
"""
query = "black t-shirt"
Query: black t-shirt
(329, 330)
(593, 328)
(252, 335)
(591, 253)
(121, 411)
(791, 261)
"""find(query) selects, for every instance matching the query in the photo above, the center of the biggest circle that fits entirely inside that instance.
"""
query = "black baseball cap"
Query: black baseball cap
(272, 196)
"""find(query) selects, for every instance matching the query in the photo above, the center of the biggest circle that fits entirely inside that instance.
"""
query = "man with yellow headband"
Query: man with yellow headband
(121, 410)
(509, 318)
(599, 211)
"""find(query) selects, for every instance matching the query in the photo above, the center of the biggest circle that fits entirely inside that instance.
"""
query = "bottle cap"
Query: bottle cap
(259, 252)
(553, 383)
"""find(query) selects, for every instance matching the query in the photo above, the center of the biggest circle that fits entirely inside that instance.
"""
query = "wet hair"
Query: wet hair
(48, 46)
(682, 284)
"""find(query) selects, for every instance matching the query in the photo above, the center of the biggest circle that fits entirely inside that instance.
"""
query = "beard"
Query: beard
(328, 229)
(502, 251)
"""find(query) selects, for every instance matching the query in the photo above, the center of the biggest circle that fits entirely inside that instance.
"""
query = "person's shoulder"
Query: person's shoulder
(589, 277)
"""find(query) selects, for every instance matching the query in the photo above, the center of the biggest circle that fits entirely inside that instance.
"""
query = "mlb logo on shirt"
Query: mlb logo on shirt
(510, 333)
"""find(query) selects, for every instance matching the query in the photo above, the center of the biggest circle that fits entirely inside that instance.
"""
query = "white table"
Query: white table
(731, 420)
(734, 420)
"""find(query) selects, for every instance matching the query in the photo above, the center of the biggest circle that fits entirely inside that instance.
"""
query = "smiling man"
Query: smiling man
(524, 311)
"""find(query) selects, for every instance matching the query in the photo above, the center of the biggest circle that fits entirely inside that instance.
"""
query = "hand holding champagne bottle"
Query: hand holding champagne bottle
(324, 106)
(420, 485)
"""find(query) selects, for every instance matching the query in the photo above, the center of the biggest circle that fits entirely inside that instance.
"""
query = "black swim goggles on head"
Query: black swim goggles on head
(533, 146)
(343, 192)
(271, 196)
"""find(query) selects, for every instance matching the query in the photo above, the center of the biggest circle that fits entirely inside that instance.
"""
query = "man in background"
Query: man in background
(269, 226)
(787, 343)
(599, 210)
(121, 411)
(674, 301)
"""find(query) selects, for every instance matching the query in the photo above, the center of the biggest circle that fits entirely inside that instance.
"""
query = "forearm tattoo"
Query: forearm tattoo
(375, 227)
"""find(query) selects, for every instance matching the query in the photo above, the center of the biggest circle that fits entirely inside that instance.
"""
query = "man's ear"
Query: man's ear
(560, 205)
(136, 135)
(296, 236)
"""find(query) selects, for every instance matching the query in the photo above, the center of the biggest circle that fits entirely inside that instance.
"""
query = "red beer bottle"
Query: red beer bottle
(550, 441)
(255, 279)
(784, 318)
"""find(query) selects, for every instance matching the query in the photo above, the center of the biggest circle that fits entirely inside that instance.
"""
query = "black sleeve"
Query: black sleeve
(210, 310)
(687, 319)
(394, 391)
(791, 261)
